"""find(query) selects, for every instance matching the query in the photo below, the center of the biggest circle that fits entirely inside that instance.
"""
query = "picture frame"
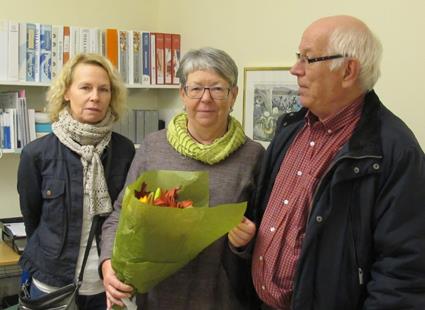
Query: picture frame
(269, 92)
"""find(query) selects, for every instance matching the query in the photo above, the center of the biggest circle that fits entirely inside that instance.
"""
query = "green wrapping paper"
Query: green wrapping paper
(154, 242)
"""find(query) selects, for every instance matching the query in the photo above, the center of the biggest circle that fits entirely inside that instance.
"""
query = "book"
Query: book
(146, 79)
(45, 52)
(152, 58)
(84, 40)
(74, 41)
(123, 55)
(37, 52)
(22, 52)
(137, 57)
(57, 50)
(111, 45)
(140, 125)
(151, 121)
(159, 55)
(175, 57)
(30, 52)
(130, 64)
(13, 52)
(4, 48)
(167, 59)
(66, 43)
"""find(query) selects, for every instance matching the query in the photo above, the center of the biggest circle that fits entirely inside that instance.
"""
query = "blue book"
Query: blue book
(146, 80)
(45, 53)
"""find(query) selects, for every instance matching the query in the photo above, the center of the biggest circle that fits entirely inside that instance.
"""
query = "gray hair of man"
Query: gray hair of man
(208, 58)
(361, 45)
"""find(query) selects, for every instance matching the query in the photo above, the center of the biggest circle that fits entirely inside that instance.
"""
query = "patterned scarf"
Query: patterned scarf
(88, 141)
(180, 139)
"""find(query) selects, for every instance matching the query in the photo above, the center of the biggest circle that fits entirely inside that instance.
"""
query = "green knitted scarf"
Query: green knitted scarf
(180, 139)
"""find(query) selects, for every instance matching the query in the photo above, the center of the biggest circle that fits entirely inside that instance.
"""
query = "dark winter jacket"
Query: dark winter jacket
(50, 186)
(364, 246)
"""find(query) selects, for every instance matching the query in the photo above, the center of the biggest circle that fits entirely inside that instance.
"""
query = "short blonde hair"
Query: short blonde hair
(56, 93)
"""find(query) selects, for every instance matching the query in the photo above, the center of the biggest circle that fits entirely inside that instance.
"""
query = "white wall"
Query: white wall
(267, 33)
(255, 33)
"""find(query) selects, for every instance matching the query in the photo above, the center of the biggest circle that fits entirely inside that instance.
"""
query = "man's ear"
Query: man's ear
(351, 73)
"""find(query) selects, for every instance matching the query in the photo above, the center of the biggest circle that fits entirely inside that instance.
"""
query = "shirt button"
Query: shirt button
(319, 219)
(285, 201)
(49, 193)
(263, 287)
(260, 258)
(375, 166)
(356, 170)
(312, 143)
(299, 173)
(272, 229)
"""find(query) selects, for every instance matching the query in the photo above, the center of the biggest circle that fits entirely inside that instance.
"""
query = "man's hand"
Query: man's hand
(242, 234)
(114, 288)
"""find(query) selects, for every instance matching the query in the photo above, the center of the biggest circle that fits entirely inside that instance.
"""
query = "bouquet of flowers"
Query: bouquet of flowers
(154, 240)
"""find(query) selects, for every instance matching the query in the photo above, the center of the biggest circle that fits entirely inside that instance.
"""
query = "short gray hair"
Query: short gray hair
(208, 58)
(362, 45)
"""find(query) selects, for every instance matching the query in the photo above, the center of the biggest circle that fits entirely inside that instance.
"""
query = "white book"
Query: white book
(130, 63)
(22, 51)
(74, 41)
(4, 48)
(57, 50)
(84, 42)
(13, 52)
(31, 124)
(94, 41)
(37, 53)
(11, 114)
(153, 59)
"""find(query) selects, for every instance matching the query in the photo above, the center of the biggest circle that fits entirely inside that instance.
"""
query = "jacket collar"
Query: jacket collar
(366, 138)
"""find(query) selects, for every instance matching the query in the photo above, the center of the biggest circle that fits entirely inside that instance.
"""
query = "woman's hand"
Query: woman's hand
(114, 288)
(242, 234)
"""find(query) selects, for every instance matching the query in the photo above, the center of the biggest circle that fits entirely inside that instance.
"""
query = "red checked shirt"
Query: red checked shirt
(282, 229)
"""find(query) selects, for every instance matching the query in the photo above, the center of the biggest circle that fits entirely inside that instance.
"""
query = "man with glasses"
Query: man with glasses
(341, 199)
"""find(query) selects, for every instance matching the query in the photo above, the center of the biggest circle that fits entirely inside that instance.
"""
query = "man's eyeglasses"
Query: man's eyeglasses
(216, 92)
(304, 59)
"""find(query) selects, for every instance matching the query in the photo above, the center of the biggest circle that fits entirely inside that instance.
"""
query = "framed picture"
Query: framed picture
(269, 92)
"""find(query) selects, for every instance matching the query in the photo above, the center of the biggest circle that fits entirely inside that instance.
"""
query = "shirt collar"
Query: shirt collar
(339, 120)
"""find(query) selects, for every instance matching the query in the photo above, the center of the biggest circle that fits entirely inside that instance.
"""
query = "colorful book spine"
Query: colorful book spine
(30, 52)
(45, 53)
(137, 57)
(66, 43)
(167, 59)
(159, 54)
(175, 57)
(111, 45)
(22, 51)
(146, 80)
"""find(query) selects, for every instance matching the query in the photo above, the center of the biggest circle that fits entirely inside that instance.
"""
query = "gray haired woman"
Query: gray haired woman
(204, 137)
(71, 175)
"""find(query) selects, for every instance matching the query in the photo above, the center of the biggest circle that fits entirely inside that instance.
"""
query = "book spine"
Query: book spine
(146, 79)
(13, 54)
(111, 46)
(137, 57)
(37, 53)
(152, 58)
(66, 43)
(45, 53)
(4, 48)
(175, 52)
(22, 51)
(84, 40)
(159, 54)
(123, 55)
(30, 53)
(167, 59)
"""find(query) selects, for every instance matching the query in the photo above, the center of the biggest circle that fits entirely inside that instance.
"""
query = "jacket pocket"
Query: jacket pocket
(52, 224)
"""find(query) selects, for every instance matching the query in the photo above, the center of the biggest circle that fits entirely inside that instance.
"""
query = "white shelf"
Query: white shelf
(39, 84)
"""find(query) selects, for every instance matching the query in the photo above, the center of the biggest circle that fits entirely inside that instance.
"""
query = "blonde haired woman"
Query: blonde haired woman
(71, 175)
